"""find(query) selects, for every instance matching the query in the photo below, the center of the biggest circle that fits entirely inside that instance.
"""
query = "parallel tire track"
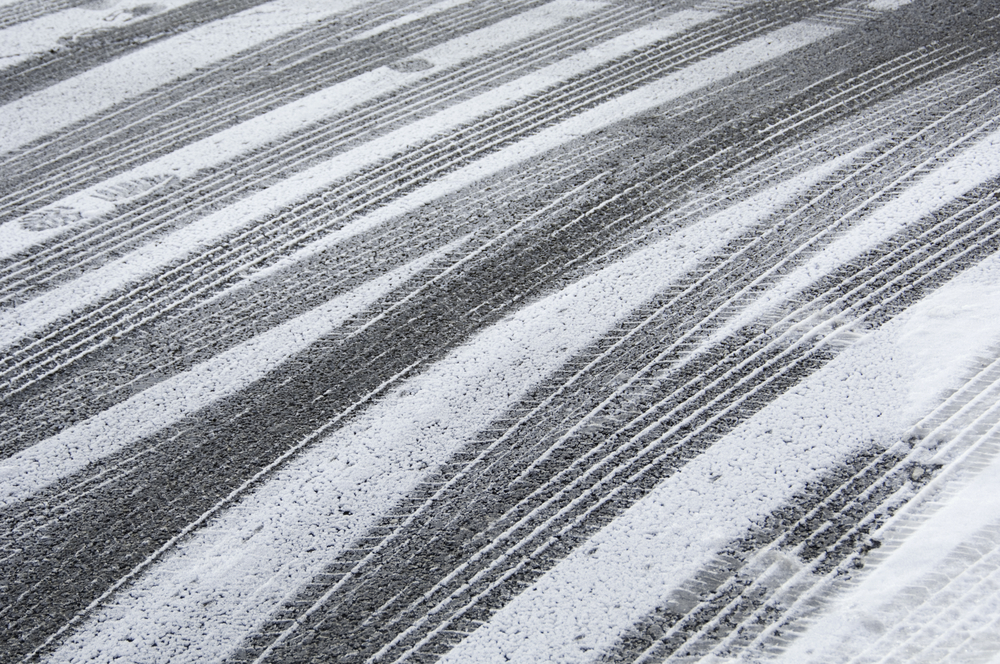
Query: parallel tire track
(211, 330)
(143, 219)
(762, 586)
(652, 199)
(265, 241)
(599, 434)
(557, 491)
(240, 88)
(26, 10)
(86, 52)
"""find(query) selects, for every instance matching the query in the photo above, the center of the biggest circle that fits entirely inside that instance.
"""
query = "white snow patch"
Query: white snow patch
(866, 611)
(940, 337)
(51, 32)
(887, 5)
(970, 168)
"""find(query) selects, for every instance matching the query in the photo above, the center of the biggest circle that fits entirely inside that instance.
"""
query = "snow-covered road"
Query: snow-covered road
(478, 331)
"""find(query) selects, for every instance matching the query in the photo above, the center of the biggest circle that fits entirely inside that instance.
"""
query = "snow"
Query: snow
(289, 118)
(888, 5)
(871, 608)
(64, 300)
(243, 564)
(167, 402)
(101, 87)
(224, 574)
(873, 391)
(51, 32)
(971, 167)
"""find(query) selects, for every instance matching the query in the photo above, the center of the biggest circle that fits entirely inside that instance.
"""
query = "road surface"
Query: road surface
(479, 331)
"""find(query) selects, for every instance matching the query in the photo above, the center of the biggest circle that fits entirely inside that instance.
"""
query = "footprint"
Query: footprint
(122, 191)
(44, 220)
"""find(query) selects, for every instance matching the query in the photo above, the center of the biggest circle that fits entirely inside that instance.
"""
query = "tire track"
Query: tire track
(824, 530)
(752, 598)
(197, 334)
(26, 10)
(47, 265)
(265, 228)
(308, 220)
(248, 85)
(35, 258)
(154, 498)
(87, 52)
(417, 329)
(105, 109)
(371, 592)
(961, 438)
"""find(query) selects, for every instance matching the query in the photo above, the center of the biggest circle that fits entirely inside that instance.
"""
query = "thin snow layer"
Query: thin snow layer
(102, 87)
(209, 593)
(51, 32)
(62, 301)
(873, 392)
(285, 120)
(167, 402)
(430, 10)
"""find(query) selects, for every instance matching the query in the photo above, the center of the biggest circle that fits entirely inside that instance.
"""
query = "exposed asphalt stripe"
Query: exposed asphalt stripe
(279, 151)
(926, 591)
(351, 366)
(69, 404)
(62, 404)
(225, 374)
(307, 219)
(916, 111)
(833, 518)
(524, 348)
(190, 331)
(252, 311)
(292, 68)
(91, 245)
(324, 173)
(329, 628)
(354, 622)
(260, 89)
